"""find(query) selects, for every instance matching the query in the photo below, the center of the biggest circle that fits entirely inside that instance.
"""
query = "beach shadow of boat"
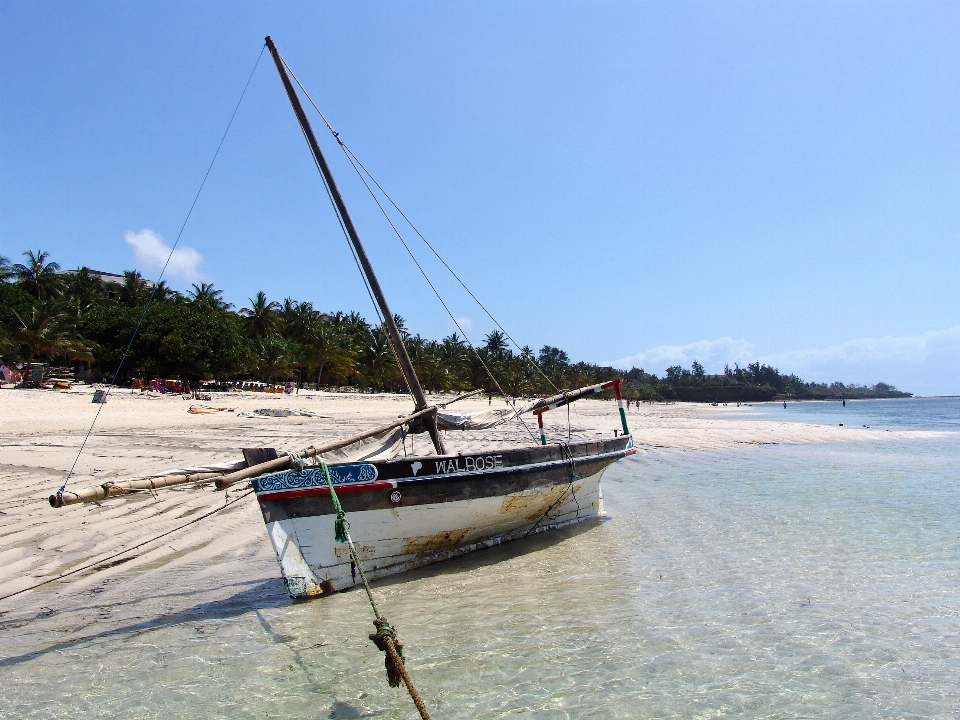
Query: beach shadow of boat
(487, 557)
(263, 595)
(270, 593)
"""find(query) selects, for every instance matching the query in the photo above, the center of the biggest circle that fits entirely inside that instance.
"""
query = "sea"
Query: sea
(817, 580)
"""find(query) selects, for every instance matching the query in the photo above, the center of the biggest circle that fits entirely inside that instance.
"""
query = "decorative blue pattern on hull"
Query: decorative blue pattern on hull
(313, 477)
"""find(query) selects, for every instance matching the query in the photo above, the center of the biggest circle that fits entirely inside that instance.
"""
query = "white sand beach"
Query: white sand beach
(139, 434)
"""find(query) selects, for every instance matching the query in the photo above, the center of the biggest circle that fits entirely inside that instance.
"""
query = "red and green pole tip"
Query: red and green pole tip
(623, 414)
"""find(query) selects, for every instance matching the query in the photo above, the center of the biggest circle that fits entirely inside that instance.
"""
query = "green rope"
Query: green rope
(340, 526)
(385, 638)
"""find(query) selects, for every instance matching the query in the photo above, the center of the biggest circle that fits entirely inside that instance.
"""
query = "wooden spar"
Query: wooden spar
(283, 462)
(111, 489)
(393, 332)
(107, 490)
(562, 399)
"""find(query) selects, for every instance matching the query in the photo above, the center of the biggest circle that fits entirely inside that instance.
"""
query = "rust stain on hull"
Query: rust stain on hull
(532, 506)
(364, 552)
(428, 544)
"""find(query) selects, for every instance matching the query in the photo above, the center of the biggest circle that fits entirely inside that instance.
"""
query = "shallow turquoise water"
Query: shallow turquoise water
(939, 413)
(791, 581)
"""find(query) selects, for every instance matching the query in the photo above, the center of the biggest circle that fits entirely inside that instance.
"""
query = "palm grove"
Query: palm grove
(64, 317)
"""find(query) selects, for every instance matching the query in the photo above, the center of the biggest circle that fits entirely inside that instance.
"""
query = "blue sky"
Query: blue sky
(634, 182)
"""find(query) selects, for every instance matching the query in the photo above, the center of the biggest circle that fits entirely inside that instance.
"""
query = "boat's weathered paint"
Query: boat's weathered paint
(409, 512)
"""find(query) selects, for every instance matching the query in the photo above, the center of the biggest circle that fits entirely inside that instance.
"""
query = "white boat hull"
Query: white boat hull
(404, 535)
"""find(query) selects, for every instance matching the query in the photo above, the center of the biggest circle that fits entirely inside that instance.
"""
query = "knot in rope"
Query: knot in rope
(340, 527)
(296, 462)
(383, 638)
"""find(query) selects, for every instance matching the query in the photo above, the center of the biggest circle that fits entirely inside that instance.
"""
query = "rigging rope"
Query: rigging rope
(123, 552)
(352, 158)
(528, 358)
(156, 286)
(354, 161)
(435, 292)
(346, 237)
(356, 261)
(574, 476)
(385, 638)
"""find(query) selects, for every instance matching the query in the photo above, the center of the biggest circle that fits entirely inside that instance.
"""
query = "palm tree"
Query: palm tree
(45, 331)
(516, 376)
(163, 292)
(274, 357)
(205, 294)
(84, 290)
(327, 351)
(289, 307)
(38, 277)
(533, 372)
(354, 328)
(455, 356)
(9, 350)
(496, 343)
(262, 317)
(379, 363)
(299, 320)
(134, 290)
(6, 272)
(554, 363)
(416, 347)
(578, 375)
(433, 372)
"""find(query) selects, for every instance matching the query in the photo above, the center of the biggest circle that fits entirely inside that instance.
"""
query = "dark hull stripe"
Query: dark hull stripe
(452, 465)
(433, 489)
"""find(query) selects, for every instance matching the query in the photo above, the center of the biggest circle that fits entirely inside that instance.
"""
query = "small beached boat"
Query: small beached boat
(409, 511)
(412, 511)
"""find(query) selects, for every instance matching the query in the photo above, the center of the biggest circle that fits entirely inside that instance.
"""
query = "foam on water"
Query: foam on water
(779, 581)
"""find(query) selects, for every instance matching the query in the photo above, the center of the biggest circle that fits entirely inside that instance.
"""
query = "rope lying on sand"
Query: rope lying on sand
(123, 552)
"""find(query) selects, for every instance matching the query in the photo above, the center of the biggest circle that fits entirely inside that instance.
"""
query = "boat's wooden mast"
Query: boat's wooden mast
(393, 331)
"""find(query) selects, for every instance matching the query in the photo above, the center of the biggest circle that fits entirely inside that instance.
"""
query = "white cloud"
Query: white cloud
(712, 354)
(904, 348)
(152, 252)
(465, 323)
(924, 363)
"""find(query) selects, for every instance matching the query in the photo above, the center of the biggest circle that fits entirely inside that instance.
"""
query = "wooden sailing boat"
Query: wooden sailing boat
(410, 511)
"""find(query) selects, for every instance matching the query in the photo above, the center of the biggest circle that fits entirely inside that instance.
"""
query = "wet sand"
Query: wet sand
(139, 434)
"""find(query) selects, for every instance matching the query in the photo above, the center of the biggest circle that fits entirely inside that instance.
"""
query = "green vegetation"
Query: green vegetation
(756, 382)
(75, 318)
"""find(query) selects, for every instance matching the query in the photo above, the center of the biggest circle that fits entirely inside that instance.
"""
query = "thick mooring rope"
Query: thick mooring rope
(385, 638)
